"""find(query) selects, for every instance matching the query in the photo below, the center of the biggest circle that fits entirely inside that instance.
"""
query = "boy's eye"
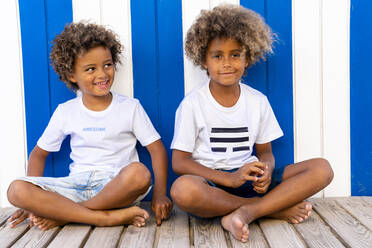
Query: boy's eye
(108, 64)
(90, 69)
(236, 55)
(217, 56)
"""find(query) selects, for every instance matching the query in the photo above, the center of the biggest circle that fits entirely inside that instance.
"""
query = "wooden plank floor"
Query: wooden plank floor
(335, 222)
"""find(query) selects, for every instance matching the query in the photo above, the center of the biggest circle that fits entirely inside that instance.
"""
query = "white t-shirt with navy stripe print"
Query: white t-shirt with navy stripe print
(223, 137)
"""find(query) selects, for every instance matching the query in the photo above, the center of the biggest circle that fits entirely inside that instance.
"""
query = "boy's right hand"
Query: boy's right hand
(19, 216)
(248, 172)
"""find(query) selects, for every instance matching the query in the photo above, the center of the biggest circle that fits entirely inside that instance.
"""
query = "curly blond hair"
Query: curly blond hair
(75, 40)
(229, 21)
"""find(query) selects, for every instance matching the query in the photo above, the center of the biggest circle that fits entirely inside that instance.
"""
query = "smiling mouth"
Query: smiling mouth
(102, 85)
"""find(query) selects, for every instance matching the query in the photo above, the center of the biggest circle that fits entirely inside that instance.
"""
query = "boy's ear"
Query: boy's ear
(71, 78)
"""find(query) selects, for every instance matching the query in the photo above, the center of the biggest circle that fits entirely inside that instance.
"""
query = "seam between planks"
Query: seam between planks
(332, 230)
(87, 236)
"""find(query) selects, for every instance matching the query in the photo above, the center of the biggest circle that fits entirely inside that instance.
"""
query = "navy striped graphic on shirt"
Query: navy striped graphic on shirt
(237, 135)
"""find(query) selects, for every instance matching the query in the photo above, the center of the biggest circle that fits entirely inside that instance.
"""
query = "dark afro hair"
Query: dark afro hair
(229, 21)
(75, 40)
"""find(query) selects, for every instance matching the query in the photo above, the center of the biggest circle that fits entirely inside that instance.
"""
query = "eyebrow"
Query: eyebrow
(232, 51)
(105, 61)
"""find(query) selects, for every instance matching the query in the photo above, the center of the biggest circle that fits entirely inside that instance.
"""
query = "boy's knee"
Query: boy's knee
(324, 170)
(17, 191)
(140, 176)
(184, 190)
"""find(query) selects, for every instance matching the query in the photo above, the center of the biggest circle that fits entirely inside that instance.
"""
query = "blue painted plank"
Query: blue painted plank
(360, 98)
(35, 72)
(58, 14)
(257, 74)
(280, 87)
(274, 77)
(145, 67)
(170, 69)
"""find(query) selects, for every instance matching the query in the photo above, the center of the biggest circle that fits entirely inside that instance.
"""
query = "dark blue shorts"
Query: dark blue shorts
(246, 190)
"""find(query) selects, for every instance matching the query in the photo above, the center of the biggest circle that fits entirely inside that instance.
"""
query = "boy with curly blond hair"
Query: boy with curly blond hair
(106, 179)
(218, 125)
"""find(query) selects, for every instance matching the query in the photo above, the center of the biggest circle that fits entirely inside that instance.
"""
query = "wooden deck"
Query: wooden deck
(335, 222)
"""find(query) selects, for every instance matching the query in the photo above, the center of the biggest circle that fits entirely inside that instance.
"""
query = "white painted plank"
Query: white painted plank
(280, 234)
(116, 15)
(88, 10)
(336, 92)
(12, 125)
(194, 76)
(214, 3)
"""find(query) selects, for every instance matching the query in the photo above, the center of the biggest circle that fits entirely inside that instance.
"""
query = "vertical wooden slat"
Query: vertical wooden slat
(8, 235)
(359, 209)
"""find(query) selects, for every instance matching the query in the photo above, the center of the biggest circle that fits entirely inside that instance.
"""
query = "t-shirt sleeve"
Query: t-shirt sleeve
(54, 134)
(184, 129)
(142, 127)
(269, 127)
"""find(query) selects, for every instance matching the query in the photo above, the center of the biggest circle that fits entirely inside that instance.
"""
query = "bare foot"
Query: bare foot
(44, 223)
(295, 214)
(237, 223)
(127, 216)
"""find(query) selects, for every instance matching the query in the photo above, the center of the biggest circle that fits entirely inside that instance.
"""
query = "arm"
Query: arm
(183, 163)
(36, 162)
(265, 155)
(161, 205)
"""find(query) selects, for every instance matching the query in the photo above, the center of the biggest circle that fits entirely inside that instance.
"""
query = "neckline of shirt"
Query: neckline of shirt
(219, 106)
(98, 113)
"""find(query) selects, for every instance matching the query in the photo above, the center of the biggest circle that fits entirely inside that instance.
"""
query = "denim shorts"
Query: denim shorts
(246, 190)
(77, 187)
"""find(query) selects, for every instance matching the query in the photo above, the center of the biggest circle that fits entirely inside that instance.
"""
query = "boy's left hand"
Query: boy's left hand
(262, 184)
(161, 206)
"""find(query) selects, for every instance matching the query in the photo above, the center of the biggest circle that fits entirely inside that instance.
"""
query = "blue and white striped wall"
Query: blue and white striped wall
(316, 81)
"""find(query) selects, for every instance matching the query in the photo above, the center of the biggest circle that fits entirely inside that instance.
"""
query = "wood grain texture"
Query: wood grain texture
(346, 226)
(5, 214)
(208, 233)
(140, 236)
(36, 238)
(72, 235)
(256, 239)
(359, 209)
(174, 233)
(317, 234)
(104, 237)
(8, 236)
(280, 234)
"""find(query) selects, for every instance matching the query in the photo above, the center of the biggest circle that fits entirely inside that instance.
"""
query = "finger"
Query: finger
(256, 170)
(260, 165)
(158, 216)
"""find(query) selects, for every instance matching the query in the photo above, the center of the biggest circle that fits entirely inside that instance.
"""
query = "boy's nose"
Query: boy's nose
(102, 74)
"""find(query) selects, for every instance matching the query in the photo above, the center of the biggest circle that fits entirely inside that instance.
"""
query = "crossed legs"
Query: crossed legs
(50, 209)
(300, 181)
